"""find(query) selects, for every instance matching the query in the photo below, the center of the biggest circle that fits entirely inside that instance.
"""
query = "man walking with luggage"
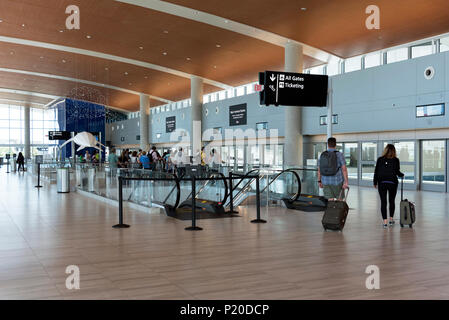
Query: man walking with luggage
(332, 171)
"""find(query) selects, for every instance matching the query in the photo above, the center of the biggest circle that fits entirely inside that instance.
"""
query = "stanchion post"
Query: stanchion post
(258, 220)
(231, 196)
(120, 224)
(193, 227)
(38, 175)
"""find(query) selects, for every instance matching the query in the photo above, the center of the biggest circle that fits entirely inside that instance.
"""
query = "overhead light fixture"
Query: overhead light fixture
(303, 9)
(130, 84)
(141, 48)
(126, 73)
(23, 25)
(41, 57)
(188, 59)
(164, 53)
(165, 31)
(215, 67)
(88, 36)
(1, 20)
(146, 77)
(218, 45)
(63, 61)
(106, 68)
(61, 31)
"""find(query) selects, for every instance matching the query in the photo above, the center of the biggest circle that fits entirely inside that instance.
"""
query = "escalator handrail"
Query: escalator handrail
(243, 177)
(292, 170)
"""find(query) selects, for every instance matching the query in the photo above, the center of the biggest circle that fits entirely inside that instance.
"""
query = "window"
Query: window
(332, 69)
(222, 95)
(240, 91)
(444, 44)
(430, 110)
(433, 161)
(323, 120)
(218, 130)
(158, 135)
(397, 55)
(353, 64)
(372, 60)
(261, 126)
(317, 70)
(421, 50)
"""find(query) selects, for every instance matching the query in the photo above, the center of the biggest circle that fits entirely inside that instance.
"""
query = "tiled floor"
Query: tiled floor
(290, 257)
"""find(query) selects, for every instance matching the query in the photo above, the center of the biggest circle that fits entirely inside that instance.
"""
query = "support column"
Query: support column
(196, 95)
(330, 109)
(144, 121)
(293, 142)
(27, 144)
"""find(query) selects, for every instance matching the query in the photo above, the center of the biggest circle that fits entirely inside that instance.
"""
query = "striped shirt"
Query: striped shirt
(337, 179)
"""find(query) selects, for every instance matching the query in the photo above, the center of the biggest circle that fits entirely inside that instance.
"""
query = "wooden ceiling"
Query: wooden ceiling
(336, 26)
(191, 47)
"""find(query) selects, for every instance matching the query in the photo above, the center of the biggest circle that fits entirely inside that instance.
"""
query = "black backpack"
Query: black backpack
(329, 163)
(385, 170)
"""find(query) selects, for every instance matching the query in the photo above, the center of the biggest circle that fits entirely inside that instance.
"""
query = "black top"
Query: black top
(393, 176)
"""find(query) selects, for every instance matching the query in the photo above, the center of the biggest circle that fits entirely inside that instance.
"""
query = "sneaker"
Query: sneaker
(391, 223)
(385, 226)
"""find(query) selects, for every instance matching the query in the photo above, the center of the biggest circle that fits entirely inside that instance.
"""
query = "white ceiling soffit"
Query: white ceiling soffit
(230, 25)
(21, 102)
(109, 57)
(52, 76)
(28, 93)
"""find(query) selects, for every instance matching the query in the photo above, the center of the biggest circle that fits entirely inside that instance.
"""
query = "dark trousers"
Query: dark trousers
(390, 189)
(21, 165)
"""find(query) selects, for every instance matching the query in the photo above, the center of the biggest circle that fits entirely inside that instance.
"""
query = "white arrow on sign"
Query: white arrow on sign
(272, 77)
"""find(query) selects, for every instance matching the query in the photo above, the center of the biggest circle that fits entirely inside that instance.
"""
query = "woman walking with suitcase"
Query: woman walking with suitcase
(386, 181)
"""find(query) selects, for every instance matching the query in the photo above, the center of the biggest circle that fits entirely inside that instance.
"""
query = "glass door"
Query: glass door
(351, 153)
(240, 157)
(253, 156)
(406, 152)
(368, 163)
(433, 165)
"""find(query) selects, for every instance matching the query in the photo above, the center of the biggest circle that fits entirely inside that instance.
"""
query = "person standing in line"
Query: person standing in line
(386, 174)
(113, 159)
(145, 160)
(332, 171)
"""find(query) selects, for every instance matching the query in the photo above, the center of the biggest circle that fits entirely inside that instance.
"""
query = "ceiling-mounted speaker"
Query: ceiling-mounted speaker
(429, 73)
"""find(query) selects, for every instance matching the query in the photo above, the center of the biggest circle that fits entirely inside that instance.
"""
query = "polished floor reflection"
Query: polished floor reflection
(290, 257)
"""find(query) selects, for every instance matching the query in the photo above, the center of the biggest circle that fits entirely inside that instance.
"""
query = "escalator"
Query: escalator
(310, 200)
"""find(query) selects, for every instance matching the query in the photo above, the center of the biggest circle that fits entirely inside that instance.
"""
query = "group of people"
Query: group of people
(152, 160)
(385, 178)
(90, 158)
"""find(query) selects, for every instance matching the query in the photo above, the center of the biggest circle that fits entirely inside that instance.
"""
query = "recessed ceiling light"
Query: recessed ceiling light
(61, 31)
(106, 68)
(164, 53)
(303, 9)
(165, 31)
(130, 84)
(215, 67)
(1, 20)
(126, 73)
(63, 61)
(218, 45)
(141, 48)
(188, 59)
(88, 37)
(12, 52)
(41, 57)
(23, 25)
(146, 77)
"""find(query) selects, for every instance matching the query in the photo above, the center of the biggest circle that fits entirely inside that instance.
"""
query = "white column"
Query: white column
(27, 147)
(196, 95)
(293, 148)
(144, 121)
(330, 110)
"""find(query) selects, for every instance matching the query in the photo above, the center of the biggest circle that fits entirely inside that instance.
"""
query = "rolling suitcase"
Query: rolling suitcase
(336, 212)
(408, 215)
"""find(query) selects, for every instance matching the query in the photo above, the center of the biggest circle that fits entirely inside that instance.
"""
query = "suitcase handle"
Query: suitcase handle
(345, 195)
(402, 188)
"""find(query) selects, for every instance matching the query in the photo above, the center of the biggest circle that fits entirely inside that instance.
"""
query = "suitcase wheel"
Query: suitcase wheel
(411, 226)
(402, 226)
